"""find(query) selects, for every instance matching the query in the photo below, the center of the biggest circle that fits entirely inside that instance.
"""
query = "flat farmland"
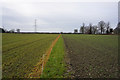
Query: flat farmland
(92, 56)
(59, 56)
(21, 52)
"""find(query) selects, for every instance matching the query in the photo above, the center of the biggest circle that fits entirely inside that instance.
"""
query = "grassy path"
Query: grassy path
(37, 71)
(55, 67)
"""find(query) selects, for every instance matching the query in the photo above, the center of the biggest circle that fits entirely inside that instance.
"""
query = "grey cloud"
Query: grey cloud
(59, 16)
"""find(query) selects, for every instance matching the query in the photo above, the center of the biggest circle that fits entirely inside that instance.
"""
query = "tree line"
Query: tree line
(101, 28)
(9, 31)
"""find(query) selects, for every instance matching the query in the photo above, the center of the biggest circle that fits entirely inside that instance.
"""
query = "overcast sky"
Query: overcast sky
(56, 16)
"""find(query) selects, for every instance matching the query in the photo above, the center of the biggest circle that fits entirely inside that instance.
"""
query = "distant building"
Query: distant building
(2, 30)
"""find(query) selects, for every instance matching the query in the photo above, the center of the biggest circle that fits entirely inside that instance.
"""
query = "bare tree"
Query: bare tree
(87, 30)
(75, 30)
(18, 30)
(101, 25)
(94, 29)
(111, 30)
(2, 30)
(90, 31)
(82, 28)
(107, 28)
(12, 31)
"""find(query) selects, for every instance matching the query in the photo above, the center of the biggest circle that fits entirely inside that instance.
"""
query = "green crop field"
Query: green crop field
(72, 56)
(21, 52)
(92, 56)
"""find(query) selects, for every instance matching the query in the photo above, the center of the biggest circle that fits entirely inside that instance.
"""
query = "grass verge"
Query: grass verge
(55, 67)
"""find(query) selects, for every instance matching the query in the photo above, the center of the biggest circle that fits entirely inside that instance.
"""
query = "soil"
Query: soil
(87, 62)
